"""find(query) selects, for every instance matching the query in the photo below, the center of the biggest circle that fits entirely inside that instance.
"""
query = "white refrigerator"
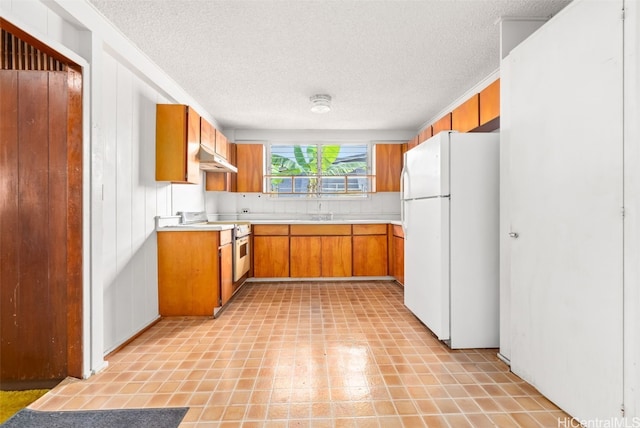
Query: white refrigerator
(450, 207)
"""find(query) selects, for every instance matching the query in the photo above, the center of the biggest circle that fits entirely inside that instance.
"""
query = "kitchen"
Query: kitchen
(120, 310)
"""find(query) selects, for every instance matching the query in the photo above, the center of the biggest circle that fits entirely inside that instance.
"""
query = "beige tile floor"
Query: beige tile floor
(310, 354)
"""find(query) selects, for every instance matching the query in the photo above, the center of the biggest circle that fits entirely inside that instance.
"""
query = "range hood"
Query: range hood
(211, 162)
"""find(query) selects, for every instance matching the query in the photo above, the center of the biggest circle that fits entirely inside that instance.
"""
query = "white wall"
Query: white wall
(132, 198)
(120, 197)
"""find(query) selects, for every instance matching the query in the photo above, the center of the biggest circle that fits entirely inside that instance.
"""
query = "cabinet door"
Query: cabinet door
(207, 134)
(306, 256)
(222, 145)
(177, 144)
(398, 259)
(490, 103)
(222, 181)
(425, 134)
(250, 163)
(388, 167)
(226, 272)
(188, 273)
(466, 116)
(370, 255)
(270, 256)
(443, 124)
(336, 258)
(413, 142)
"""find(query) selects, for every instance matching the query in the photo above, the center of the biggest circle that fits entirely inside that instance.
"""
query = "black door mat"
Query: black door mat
(120, 418)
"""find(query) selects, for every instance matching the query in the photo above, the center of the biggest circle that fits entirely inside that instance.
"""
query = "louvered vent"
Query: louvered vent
(16, 54)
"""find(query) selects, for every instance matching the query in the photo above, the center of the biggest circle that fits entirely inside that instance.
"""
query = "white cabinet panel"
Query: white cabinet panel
(564, 132)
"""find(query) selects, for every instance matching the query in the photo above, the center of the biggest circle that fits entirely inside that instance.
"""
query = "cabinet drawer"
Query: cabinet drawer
(369, 229)
(320, 229)
(270, 229)
(397, 231)
(225, 237)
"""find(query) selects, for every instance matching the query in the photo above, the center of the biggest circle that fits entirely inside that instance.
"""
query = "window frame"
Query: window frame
(305, 196)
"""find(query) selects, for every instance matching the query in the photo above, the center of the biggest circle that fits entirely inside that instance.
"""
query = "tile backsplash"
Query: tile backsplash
(224, 205)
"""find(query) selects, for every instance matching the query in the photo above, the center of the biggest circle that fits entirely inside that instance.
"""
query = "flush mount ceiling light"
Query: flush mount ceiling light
(320, 103)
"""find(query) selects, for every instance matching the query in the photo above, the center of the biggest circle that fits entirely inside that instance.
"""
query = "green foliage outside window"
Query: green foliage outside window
(319, 169)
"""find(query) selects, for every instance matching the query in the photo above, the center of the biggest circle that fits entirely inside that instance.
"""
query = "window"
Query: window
(319, 170)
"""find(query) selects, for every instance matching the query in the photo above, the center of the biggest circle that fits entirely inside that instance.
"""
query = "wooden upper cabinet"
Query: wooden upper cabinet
(222, 145)
(223, 181)
(466, 116)
(250, 164)
(443, 124)
(177, 144)
(490, 103)
(425, 134)
(388, 158)
(207, 134)
(413, 142)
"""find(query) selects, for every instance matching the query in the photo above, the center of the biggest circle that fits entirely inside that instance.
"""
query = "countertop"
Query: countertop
(195, 227)
(349, 221)
(170, 224)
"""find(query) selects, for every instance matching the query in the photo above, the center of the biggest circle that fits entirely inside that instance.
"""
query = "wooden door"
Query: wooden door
(565, 200)
(40, 231)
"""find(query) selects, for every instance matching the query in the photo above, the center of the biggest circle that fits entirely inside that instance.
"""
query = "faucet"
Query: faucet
(322, 216)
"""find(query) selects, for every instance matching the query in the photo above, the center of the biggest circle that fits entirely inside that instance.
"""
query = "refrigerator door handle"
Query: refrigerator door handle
(403, 221)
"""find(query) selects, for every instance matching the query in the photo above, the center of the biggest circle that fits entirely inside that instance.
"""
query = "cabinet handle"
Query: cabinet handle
(513, 234)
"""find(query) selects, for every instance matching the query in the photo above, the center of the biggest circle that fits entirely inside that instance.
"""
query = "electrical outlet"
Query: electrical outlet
(244, 211)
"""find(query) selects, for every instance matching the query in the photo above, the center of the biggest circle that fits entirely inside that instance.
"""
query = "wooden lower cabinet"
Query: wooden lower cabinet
(370, 250)
(270, 250)
(370, 255)
(397, 262)
(270, 256)
(320, 256)
(336, 256)
(306, 256)
(226, 270)
(188, 273)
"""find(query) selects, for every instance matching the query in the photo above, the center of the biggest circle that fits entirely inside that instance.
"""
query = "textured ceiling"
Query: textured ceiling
(389, 65)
